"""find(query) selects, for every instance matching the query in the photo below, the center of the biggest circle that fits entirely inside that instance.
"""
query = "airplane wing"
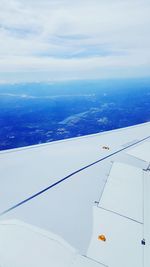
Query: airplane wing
(78, 202)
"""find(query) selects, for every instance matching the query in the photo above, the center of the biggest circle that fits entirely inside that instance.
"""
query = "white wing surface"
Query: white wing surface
(84, 196)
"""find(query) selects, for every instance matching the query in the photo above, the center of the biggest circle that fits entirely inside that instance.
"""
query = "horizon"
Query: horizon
(53, 82)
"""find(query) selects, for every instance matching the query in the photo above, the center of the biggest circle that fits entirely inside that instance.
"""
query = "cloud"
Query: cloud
(63, 39)
(103, 121)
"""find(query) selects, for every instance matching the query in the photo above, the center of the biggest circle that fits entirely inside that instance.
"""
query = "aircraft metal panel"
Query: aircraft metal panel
(141, 151)
(123, 192)
(122, 245)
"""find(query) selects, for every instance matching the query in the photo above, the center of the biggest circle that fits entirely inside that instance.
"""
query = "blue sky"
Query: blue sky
(46, 40)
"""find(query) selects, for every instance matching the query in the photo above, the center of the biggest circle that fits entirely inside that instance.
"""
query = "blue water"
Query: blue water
(38, 113)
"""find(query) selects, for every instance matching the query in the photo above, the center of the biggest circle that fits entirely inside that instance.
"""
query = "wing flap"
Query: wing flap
(123, 192)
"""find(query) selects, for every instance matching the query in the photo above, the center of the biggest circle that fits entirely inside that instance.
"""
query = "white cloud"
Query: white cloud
(74, 39)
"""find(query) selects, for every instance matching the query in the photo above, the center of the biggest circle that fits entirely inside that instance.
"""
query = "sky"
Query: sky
(50, 40)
